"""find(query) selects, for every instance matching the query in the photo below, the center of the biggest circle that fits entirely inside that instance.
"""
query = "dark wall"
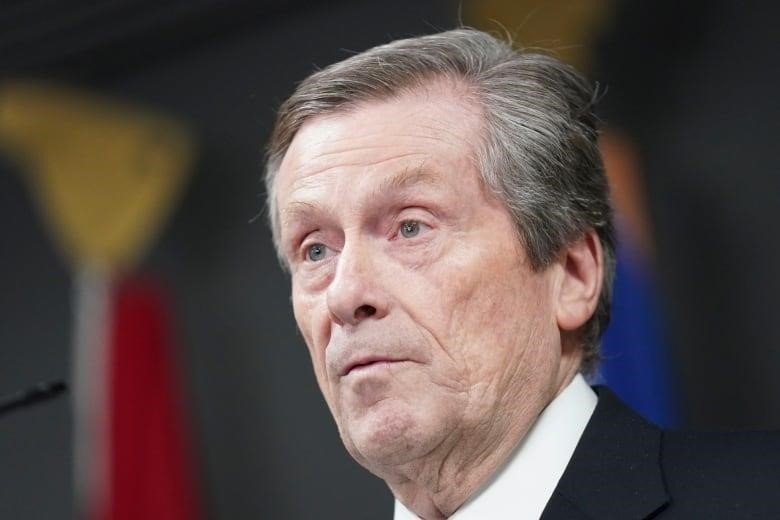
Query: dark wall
(269, 448)
(267, 444)
(695, 85)
(35, 328)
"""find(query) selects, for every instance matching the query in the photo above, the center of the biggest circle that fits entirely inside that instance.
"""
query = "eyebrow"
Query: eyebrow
(297, 210)
(402, 180)
(407, 178)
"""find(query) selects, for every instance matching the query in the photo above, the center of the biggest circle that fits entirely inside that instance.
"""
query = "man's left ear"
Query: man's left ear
(581, 271)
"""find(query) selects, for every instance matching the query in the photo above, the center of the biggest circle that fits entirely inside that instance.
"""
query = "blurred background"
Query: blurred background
(135, 263)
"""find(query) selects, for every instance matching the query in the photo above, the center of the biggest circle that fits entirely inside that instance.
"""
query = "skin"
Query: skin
(434, 343)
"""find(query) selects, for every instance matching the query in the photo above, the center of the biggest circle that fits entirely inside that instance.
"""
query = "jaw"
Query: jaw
(396, 428)
(464, 459)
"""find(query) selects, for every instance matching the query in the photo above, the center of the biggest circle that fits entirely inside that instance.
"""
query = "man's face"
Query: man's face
(425, 323)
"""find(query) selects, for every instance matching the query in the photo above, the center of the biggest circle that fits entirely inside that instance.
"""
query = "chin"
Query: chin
(389, 434)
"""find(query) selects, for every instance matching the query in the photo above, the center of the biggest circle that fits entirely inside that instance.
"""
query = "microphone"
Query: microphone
(41, 392)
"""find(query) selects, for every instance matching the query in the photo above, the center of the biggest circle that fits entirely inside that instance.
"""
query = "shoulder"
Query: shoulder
(704, 474)
(626, 467)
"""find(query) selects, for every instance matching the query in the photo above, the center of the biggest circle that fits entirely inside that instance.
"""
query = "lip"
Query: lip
(368, 361)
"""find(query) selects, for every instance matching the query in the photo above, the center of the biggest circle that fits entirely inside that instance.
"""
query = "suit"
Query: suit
(624, 467)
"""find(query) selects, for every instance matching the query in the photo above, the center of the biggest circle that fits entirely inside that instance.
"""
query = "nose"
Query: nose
(356, 292)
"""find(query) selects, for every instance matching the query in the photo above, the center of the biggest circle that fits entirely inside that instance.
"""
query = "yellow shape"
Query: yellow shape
(567, 27)
(105, 175)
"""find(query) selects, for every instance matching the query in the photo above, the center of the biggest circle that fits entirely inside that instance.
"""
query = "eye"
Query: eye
(410, 228)
(316, 252)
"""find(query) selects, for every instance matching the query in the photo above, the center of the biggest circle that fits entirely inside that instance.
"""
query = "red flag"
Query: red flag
(151, 469)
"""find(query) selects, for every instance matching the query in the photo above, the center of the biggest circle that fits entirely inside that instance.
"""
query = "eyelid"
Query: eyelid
(301, 245)
(312, 238)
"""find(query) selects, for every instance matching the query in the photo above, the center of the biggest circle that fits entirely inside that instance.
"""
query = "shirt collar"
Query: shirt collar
(522, 487)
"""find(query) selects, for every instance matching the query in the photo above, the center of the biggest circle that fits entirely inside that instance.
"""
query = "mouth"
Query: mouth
(368, 363)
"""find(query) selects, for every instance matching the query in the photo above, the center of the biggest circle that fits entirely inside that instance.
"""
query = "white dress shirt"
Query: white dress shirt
(523, 486)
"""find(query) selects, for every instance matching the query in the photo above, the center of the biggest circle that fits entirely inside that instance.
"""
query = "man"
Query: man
(441, 205)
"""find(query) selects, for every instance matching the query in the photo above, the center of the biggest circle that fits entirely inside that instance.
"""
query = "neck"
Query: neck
(461, 466)
(436, 487)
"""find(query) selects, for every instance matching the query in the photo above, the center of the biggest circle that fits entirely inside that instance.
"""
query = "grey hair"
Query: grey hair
(539, 152)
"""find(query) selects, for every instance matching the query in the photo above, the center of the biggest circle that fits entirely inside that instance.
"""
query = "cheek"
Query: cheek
(470, 296)
(453, 303)
(305, 309)
(490, 316)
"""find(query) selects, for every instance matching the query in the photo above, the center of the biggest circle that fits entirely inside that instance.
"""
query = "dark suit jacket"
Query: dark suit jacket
(625, 467)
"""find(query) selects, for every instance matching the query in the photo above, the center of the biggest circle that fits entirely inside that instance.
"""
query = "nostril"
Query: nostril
(365, 311)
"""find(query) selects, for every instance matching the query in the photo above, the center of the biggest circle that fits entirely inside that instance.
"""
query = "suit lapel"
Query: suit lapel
(615, 471)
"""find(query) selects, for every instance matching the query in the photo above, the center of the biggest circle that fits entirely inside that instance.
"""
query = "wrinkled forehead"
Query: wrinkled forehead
(301, 108)
(419, 122)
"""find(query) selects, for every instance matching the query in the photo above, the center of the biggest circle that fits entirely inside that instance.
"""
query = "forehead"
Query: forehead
(435, 127)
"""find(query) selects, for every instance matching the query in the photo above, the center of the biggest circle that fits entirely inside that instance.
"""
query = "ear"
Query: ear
(582, 268)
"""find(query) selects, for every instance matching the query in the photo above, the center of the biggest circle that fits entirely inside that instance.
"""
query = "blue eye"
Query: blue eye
(315, 252)
(410, 228)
